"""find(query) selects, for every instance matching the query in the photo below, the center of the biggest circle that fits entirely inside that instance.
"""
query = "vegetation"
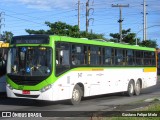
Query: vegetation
(129, 37)
(7, 36)
(154, 107)
(60, 28)
(150, 43)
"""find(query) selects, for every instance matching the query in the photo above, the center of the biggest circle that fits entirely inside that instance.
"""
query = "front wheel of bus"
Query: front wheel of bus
(137, 88)
(76, 95)
(130, 90)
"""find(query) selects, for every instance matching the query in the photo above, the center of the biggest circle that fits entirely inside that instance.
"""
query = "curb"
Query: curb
(152, 99)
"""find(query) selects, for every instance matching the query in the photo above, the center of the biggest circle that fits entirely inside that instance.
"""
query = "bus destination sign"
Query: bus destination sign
(31, 39)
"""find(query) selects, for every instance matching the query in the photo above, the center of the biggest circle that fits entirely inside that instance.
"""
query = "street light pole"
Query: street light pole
(143, 29)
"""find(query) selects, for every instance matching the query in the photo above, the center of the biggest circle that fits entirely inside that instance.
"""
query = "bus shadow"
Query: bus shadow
(29, 102)
(39, 103)
(3, 95)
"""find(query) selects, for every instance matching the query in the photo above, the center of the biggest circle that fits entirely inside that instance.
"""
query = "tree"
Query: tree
(129, 37)
(60, 28)
(7, 36)
(150, 43)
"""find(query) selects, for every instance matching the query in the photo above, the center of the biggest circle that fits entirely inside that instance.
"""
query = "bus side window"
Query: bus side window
(85, 55)
(113, 54)
(65, 57)
(130, 57)
(139, 58)
(62, 55)
(62, 59)
(108, 54)
(57, 58)
(153, 58)
(119, 57)
(77, 55)
(100, 56)
(95, 55)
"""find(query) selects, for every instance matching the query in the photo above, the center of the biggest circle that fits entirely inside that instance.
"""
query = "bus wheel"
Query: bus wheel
(76, 95)
(137, 88)
(130, 90)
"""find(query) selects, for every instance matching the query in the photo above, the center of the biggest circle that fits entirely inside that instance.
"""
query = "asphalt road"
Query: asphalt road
(110, 102)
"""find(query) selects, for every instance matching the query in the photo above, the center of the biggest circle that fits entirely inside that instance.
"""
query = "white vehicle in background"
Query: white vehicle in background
(3, 60)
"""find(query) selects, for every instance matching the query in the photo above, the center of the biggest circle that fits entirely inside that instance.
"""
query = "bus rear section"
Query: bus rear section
(158, 61)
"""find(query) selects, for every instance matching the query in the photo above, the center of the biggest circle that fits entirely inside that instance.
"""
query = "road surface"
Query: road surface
(110, 102)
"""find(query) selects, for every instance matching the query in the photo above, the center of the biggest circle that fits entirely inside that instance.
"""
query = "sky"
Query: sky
(18, 15)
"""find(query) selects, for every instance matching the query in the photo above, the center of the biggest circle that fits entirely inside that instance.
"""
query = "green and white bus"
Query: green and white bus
(53, 68)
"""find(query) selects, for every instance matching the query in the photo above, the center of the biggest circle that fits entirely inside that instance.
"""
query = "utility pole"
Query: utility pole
(79, 15)
(120, 18)
(87, 15)
(1, 18)
(144, 21)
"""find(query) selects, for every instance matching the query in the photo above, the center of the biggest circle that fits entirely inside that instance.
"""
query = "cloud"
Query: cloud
(45, 4)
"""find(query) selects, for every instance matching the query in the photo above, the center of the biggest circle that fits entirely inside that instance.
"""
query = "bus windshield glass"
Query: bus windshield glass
(29, 61)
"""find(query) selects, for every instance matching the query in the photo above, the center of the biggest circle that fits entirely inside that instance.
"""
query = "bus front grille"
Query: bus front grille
(29, 96)
(27, 80)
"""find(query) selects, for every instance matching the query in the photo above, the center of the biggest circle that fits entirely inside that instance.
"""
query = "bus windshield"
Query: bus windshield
(29, 61)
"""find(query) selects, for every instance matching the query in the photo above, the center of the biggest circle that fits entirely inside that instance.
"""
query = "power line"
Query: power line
(33, 17)
(23, 19)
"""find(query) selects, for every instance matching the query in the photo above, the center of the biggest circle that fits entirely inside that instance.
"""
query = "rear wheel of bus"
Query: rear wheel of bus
(131, 88)
(137, 88)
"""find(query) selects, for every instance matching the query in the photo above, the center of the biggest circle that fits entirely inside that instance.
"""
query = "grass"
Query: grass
(153, 107)
(150, 108)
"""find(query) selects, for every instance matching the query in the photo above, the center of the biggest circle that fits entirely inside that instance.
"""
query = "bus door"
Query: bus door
(95, 74)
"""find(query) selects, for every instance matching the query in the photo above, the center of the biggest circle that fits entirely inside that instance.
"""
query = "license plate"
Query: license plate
(26, 92)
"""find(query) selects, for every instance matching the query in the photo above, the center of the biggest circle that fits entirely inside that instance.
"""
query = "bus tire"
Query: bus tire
(130, 90)
(137, 90)
(76, 95)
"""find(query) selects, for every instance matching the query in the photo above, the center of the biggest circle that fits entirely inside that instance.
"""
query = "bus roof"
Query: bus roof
(76, 40)
(101, 43)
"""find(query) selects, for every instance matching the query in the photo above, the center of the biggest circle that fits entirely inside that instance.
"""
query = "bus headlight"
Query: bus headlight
(46, 88)
(9, 86)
